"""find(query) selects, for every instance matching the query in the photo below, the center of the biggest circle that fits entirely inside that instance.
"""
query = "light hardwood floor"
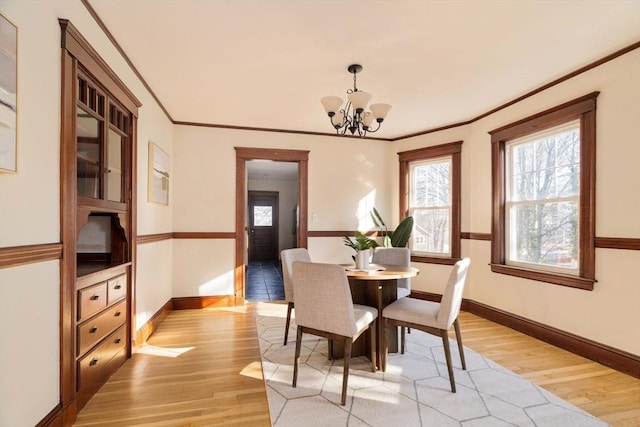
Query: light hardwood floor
(200, 368)
(217, 378)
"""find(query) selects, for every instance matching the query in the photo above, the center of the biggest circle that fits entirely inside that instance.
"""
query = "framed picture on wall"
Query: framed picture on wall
(158, 187)
(8, 95)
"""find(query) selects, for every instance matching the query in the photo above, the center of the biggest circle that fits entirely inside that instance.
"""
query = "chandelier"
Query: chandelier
(353, 115)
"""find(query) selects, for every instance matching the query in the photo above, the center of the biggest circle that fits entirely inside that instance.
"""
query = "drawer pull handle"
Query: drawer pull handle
(117, 314)
(117, 340)
(93, 330)
(93, 362)
(94, 297)
(117, 286)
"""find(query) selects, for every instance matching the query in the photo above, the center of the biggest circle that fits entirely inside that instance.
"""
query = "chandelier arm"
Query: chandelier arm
(376, 129)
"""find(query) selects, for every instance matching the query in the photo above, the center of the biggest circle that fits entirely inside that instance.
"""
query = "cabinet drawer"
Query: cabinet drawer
(91, 300)
(93, 330)
(117, 288)
(91, 368)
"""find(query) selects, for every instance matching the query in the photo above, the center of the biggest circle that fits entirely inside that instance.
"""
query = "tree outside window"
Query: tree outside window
(430, 206)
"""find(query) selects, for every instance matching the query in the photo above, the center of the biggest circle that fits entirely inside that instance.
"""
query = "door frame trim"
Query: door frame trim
(281, 155)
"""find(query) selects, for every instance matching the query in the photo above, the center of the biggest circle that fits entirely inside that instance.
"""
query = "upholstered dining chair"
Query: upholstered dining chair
(431, 317)
(324, 308)
(288, 257)
(395, 256)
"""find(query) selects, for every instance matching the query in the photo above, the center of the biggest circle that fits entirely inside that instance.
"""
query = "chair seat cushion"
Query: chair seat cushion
(414, 311)
(364, 315)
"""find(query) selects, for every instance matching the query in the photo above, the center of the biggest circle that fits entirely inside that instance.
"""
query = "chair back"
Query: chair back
(288, 257)
(323, 298)
(394, 256)
(452, 296)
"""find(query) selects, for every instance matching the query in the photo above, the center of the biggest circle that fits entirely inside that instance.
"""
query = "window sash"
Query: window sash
(538, 201)
(562, 253)
(432, 237)
(432, 204)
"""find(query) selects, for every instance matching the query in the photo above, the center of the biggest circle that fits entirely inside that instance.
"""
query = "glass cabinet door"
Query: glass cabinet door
(114, 167)
(89, 154)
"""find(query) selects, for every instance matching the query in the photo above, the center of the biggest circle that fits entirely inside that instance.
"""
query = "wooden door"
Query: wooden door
(263, 225)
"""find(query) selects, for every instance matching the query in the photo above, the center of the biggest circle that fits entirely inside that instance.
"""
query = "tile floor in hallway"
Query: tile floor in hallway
(264, 281)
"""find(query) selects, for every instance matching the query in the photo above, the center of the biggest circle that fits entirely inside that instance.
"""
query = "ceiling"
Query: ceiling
(266, 64)
(268, 170)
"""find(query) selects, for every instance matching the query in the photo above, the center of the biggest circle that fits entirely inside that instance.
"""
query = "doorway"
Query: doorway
(264, 274)
(272, 194)
(298, 235)
(263, 225)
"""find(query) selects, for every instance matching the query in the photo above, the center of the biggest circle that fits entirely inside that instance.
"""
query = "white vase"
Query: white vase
(362, 259)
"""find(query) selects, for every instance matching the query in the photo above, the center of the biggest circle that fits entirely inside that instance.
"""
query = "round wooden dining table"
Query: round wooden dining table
(376, 287)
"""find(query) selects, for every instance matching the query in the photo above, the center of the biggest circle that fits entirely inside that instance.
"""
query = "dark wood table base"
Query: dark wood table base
(378, 294)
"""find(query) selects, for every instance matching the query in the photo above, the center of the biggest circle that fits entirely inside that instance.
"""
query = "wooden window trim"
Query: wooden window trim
(453, 149)
(584, 109)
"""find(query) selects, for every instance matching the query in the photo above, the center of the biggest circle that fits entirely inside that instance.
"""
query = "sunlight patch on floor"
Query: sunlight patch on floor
(253, 370)
(153, 350)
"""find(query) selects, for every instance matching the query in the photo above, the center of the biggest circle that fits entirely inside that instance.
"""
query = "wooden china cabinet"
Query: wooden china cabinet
(97, 191)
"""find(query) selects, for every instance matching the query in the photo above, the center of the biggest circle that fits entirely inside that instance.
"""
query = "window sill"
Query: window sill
(543, 276)
(434, 260)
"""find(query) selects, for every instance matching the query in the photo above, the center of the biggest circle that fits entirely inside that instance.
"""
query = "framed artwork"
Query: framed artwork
(8, 95)
(158, 189)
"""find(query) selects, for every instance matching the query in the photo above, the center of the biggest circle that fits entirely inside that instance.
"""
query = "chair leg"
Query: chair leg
(297, 356)
(286, 327)
(372, 337)
(384, 345)
(345, 374)
(403, 342)
(330, 348)
(447, 355)
(460, 348)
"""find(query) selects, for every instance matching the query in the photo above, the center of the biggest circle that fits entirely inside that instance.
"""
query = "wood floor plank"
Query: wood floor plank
(199, 368)
(202, 368)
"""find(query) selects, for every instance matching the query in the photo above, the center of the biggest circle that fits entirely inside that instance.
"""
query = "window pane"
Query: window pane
(431, 231)
(545, 233)
(89, 154)
(262, 216)
(546, 165)
(430, 206)
(430, 184)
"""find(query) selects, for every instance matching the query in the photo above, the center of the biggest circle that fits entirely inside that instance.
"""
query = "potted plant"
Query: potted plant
(397, 238)
(362, 245)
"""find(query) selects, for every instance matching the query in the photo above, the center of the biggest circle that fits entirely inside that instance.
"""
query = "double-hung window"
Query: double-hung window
(430, 183)
(542, 199)
(543, 196)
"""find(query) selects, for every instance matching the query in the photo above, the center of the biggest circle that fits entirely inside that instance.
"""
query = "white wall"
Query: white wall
(30, 208)
(343, 177)
(609, 314)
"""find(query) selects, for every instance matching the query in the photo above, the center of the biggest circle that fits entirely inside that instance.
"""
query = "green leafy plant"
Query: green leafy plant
(397, 238)
(360, 242)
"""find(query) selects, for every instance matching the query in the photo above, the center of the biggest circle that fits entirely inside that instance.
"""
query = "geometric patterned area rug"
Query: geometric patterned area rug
(414, 391)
